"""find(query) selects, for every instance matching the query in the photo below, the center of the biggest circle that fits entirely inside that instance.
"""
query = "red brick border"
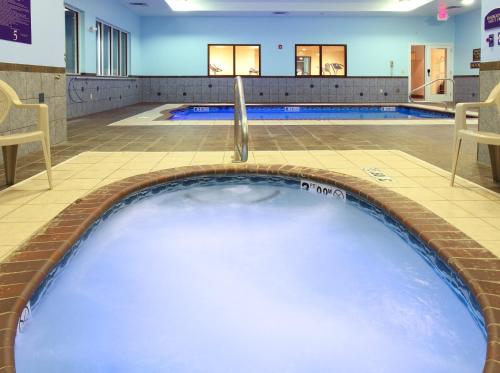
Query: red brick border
(26, 268)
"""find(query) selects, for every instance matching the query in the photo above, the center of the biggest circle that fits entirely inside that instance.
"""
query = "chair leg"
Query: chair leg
(48, 164)
(456, 153)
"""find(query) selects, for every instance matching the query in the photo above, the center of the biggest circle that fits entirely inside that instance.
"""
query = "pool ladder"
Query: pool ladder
(240, 123)
(445, 103)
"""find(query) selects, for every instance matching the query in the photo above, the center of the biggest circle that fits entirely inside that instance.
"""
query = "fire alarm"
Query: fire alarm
(280, 46)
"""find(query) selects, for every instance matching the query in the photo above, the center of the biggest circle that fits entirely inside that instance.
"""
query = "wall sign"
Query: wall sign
(15, 21)
(475, 65)
(492, 19)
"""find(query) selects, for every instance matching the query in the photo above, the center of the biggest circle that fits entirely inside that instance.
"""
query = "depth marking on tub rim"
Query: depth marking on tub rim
(323, 189)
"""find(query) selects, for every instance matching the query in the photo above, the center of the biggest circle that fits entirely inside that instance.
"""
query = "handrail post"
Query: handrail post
(240, 123)
(430, 83)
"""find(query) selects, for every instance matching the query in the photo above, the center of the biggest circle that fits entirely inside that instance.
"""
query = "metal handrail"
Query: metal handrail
(430, 83)
(240, 123)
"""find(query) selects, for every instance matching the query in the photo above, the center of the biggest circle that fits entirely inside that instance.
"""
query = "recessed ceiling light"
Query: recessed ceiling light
(467, 2)
(182, 5)
(405, 5)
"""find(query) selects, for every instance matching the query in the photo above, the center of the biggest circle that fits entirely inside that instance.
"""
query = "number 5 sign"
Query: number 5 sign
(15, 20)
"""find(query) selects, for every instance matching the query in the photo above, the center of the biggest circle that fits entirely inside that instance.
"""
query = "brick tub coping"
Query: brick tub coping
(24, 270)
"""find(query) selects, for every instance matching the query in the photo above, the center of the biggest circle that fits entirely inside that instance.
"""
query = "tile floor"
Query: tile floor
(431, 143)
(28, 206)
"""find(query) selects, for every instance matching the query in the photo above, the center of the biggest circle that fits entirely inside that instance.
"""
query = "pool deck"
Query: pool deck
(414, 159)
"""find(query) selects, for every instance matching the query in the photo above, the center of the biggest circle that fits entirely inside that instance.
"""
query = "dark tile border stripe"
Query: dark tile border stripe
(31, 68)
(490, 66)
(26, 268)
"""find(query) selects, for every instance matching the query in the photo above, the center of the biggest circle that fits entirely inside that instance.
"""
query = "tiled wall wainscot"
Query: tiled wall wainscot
(33, 88)
(466, 89)
(88, 95)
(276, 90)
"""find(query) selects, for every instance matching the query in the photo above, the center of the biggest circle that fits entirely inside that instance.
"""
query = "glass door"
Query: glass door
(439, 66)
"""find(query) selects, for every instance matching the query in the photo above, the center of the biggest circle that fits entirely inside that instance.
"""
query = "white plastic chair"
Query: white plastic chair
(9, 143)
(462, 132)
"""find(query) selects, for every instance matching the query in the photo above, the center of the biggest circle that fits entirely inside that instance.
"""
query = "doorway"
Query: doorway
(431, 64)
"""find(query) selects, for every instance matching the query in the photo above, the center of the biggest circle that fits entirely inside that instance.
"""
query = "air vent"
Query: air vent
(138, 4)
(280, 13)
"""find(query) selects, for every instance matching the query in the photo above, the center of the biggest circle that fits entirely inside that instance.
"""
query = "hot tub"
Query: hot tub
(250, 273)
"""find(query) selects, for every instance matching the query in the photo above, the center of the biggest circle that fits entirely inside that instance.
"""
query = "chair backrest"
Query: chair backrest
(7, 97)
(495, 96)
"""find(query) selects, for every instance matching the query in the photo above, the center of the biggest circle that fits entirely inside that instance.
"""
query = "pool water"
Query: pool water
(307, 112)
(249, 275)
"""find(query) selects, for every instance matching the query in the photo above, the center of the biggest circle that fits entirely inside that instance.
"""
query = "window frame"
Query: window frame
(78, 42)
(321, 75)
(100, 25)
(234, 60)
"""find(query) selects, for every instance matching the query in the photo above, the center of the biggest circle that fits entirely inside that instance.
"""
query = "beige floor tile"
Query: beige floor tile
(33, 213)
(418, 194)
(5, 251)
(36, 184)
(17, 197)
(446, 209)
(14, 234)
(417, 172)
(68, 166)
(459, 194)
(482, 209)
(133, 165)
(476, 228)
(5, 209)
(123, 174)
(493, 221)
(56, 175)
(493, 246)
(433, 181)
(78, 184)
(58, 196)
(92, 174)
(337, 162)
(401, 182)
(363, 161)
(90, 157)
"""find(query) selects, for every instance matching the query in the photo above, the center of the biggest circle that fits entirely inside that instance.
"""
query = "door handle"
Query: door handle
(428, 72)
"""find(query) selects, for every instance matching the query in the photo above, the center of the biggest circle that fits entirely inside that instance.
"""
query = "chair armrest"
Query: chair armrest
(461, 112)
(471, 105)
(43, 115)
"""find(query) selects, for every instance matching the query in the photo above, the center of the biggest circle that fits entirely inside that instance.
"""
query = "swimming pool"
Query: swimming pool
(307, 112)
(250, 273)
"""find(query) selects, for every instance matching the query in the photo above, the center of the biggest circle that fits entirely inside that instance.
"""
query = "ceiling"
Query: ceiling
(293, 7)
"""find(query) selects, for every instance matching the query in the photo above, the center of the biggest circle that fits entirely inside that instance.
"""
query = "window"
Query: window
(321, 60)
(231, 60)
(72, 56)
(112, 51)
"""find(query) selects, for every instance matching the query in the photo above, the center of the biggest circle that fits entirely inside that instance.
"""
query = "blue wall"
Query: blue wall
(114, 14)
(467, 38)
(178, 45)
